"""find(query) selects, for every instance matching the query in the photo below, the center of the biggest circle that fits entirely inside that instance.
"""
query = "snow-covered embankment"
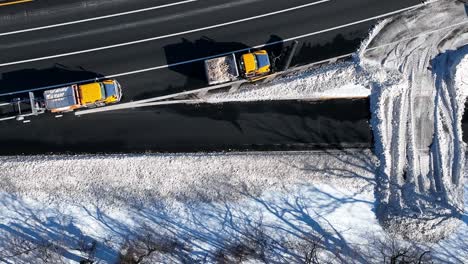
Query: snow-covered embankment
(417, 108)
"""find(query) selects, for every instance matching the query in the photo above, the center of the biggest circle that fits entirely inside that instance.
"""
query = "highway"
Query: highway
(156, 47)
(184, 128)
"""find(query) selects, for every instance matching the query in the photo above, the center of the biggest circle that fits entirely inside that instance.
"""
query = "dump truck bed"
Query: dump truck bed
(221, 70)
(61, 99)
(91, 93)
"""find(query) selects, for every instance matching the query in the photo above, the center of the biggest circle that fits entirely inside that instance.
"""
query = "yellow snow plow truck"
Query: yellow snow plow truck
(252, 66)
(255, 64)
(69, 98)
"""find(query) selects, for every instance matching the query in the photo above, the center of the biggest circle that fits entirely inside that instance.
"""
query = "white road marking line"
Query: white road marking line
(165, 36)
(97, 18)
(265, 45)
(15, 2)
(201, 59)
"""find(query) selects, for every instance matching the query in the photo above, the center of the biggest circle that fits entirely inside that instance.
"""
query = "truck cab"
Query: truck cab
(255, 64)
(100, 93)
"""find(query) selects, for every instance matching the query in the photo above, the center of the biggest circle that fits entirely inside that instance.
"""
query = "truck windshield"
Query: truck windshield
(111, 89)
(262, 60)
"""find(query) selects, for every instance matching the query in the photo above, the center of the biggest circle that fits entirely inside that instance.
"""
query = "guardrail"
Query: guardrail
(179, 98)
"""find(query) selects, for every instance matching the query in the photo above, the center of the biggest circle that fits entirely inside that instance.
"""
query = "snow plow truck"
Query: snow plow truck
(252, 66)
(95, 94)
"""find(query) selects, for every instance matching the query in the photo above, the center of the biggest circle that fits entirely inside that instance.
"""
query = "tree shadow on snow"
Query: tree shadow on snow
(273, 230)
(47, 234)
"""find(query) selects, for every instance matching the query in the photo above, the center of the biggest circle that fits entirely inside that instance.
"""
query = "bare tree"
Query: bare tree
(21, 250)
(147, 247)
(308, 249)
(395, 251)
(311, 252)
(88, 249)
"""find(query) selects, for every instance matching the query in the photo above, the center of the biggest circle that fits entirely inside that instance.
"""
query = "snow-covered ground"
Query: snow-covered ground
(347, 206)
(210, 204)
(417, 107)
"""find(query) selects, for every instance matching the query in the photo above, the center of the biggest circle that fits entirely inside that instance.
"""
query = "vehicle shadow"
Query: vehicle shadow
(178, 54)
(27, 79)
(204, 47)
(186, 58)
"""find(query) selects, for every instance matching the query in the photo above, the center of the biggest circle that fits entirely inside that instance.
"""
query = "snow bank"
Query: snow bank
(210, 203)
(146, 179)
(417, 109)
(461, 77)
(207, 200)
(338, 80)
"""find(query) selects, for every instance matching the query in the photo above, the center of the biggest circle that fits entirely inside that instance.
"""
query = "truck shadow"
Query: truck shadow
(26, 79)
(187, 57)
(187, 50)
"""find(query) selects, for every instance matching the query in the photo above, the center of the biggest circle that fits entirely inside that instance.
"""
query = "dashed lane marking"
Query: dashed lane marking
(15, 2)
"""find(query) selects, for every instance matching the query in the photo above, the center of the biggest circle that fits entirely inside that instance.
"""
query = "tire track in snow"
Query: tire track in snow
(422, 155)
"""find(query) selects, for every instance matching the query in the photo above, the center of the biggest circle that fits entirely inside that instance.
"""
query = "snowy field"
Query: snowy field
(340, 206)
(256, 206)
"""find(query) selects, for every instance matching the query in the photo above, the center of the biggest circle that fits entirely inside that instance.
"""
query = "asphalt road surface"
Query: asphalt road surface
(183, 128)
(146, 45)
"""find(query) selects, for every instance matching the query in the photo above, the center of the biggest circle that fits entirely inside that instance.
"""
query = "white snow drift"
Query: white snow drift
(417, 108)
(338, 80)
(208, 202)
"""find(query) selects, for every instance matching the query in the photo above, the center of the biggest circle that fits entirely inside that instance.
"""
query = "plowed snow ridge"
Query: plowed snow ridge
(418, 107)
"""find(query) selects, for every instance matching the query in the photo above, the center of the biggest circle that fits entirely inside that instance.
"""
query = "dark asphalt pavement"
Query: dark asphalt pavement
(169, 20)
(288, 125)
(160, 52)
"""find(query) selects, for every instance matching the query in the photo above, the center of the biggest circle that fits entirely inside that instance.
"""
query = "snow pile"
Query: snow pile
(339, 80)
(142, 179)
(417, 109)
(273, 206)
(210, 201)
(448, 148)
(222, 69)
(461, 77)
